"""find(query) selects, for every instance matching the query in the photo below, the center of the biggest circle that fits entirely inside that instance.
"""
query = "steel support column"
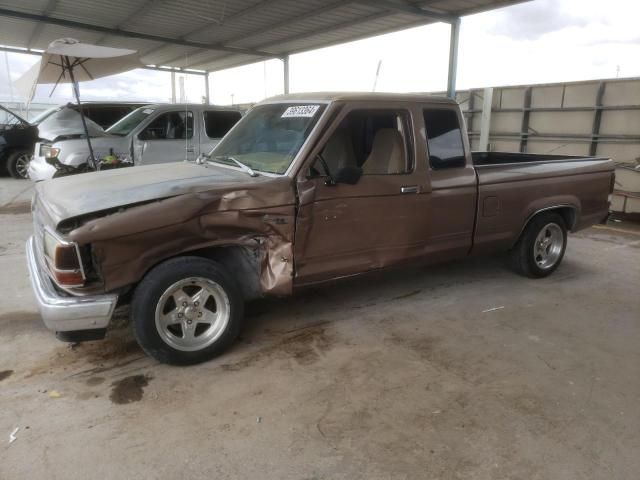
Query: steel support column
(597, 120)
(453, 58)
(285, 64)
(485, 123)
(173, 87)
(526, 116)
(206, 89)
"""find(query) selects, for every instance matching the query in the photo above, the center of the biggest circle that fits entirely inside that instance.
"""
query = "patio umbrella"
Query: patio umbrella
(69, 61)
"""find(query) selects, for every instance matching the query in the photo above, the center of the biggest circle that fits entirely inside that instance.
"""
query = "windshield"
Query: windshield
(126, 125)
(269, 137)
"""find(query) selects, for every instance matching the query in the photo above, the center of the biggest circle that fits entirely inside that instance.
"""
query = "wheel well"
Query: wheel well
(16, 148)
(567, 212)
(4, 154)
(242, 262)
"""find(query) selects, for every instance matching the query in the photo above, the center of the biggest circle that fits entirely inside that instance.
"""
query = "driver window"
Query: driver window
(375, 140)
(170, 126)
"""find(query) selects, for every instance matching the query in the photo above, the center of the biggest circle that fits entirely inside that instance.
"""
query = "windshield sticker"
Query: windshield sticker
(147, 111)
(301, 111)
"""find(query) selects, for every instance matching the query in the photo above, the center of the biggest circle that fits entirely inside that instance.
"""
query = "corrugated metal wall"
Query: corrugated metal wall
(599, 118)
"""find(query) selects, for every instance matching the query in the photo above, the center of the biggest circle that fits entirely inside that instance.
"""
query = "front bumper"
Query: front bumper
(40, 170)
(63, 312)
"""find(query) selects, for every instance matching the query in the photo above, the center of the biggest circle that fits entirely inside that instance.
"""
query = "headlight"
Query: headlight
(63, 260)
(52, 153)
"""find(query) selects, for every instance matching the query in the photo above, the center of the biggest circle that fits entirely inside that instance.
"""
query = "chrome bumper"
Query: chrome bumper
(62, 312)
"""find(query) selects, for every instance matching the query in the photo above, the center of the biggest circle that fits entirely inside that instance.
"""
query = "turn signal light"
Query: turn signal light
(63, 260)
(68, 279)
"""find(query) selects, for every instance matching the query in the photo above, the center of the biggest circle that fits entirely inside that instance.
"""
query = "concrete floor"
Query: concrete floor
(464, 371)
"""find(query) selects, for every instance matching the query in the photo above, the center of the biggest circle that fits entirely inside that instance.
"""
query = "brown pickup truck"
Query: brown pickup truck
(305, 189)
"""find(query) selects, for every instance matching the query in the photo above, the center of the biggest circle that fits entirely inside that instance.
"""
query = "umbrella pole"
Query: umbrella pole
(76, 92)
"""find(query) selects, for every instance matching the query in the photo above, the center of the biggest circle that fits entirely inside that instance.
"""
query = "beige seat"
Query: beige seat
(387, 153)
(339, 152)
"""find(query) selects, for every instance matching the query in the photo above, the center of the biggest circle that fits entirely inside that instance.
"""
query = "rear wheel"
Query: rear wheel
(18, 164)
(186, 310)
(541, 247)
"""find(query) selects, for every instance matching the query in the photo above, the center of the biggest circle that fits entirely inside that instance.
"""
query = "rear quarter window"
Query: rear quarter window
(444, 139)
(218, 123)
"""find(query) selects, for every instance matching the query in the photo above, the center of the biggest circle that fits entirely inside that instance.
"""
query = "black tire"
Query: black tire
(153, 338)
(4, 171)
(16, 164)
(529, 261)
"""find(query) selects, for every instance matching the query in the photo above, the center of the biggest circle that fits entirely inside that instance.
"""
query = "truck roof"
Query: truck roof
(195, 106)
(360, 96)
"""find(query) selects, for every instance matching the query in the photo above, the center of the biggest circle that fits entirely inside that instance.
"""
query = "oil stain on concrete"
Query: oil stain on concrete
(89, 359)
(93, 381)
(305, 348)
(129, 389)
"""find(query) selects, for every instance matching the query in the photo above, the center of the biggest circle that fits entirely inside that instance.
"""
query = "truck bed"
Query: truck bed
(514, 186)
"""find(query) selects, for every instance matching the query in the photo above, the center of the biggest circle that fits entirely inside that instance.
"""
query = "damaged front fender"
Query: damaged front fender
(260, 218)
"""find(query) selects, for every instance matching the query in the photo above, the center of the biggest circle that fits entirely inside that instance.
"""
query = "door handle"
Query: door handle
(411, 189)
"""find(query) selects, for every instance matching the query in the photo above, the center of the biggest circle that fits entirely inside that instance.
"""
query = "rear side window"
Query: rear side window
(444, 139)
(217, 123)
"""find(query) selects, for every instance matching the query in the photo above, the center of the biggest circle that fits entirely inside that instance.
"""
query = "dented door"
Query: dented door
(380, 221)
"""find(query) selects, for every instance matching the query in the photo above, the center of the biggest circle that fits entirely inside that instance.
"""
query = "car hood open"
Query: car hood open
(67, 123)
(78, 195)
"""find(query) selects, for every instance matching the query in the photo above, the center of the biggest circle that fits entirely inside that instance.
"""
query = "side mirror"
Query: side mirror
(144, 135)
(349, 175)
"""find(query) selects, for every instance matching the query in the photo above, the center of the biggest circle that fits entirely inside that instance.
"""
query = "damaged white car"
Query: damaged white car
(149, 134)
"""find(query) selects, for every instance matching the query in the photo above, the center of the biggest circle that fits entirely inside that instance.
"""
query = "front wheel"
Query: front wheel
(541, 247)
(18, 164)
(186, 310)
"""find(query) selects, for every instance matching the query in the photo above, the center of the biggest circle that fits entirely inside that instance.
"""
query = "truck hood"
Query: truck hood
(100, 145)
(78, 195)
(67, 123)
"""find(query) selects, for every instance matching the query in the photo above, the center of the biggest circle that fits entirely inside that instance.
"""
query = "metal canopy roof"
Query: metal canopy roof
(211, 35)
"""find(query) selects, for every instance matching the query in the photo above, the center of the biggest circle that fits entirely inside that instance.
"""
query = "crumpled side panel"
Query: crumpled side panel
(277, 265)
(127, 244)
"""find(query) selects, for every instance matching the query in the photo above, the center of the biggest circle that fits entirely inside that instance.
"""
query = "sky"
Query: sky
(538, 42)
